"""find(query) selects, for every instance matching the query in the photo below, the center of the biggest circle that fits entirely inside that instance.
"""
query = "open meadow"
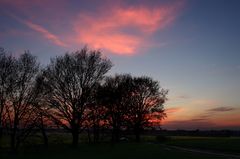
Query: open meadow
(174, 147)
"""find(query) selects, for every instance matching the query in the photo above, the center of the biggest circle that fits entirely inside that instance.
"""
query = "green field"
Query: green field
(60, 148)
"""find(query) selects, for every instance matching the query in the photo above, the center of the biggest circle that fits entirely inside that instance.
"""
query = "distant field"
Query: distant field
(223, 144)
(59, 148)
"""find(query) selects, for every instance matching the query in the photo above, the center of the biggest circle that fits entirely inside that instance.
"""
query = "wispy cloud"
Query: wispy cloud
(221, 109)
(206, 120)
(48, 35)
(121, 30)
(183, 97)
(180, 97)
(40, 29)
(198, 119)
(173, 110)
(190, 124)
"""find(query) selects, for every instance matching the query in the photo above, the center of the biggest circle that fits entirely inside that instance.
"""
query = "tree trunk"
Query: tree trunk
(89, 135)
(44, 134)
(137, 134)
(137, 137)
(1, 121)
(45, 137)
(74, 138)
(115, 135)
(96, 134)
(13, 140)
(14, 135)
(1, 134)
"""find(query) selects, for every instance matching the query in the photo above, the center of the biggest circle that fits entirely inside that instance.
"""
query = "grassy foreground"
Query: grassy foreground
(104, 151)
(59, 148)
(221, 144)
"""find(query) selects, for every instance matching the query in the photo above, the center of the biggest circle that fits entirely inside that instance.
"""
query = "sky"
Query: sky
(190, 46)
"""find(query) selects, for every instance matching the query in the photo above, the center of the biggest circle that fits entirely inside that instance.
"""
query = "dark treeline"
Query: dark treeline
(73, 93)
(203, 133)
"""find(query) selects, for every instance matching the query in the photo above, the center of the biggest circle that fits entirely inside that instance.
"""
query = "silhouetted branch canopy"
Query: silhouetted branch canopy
(72, 79)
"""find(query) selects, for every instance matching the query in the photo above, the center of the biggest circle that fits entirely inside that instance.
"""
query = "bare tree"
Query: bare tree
(114, 96)
(72, 79)
(95, 121)
(20, 110)
(6, 77)
(41, 107)
(96, 114)
(145, 103)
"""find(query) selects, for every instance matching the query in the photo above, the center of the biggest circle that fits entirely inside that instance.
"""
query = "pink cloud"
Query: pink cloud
(117, 43)
(116, 28)
(122, 30)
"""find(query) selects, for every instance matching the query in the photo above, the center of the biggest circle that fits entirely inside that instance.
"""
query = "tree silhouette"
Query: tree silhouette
(114, 97)
(74, 93)
(20, 109)
(145, 103)
(72, 79)
(41, 106)
(96, 117)
(132, 102)
(6, 77)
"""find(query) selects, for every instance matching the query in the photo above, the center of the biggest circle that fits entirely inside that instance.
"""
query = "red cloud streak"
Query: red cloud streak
(173, 110)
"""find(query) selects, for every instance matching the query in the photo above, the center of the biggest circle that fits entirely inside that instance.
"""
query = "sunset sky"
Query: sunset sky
(191, 46)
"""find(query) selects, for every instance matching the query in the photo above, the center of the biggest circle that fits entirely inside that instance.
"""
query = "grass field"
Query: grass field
(223, 144)
(104, 151)
(60, 148)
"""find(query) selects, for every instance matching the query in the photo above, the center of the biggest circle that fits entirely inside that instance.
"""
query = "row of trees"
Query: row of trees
(73, 92)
